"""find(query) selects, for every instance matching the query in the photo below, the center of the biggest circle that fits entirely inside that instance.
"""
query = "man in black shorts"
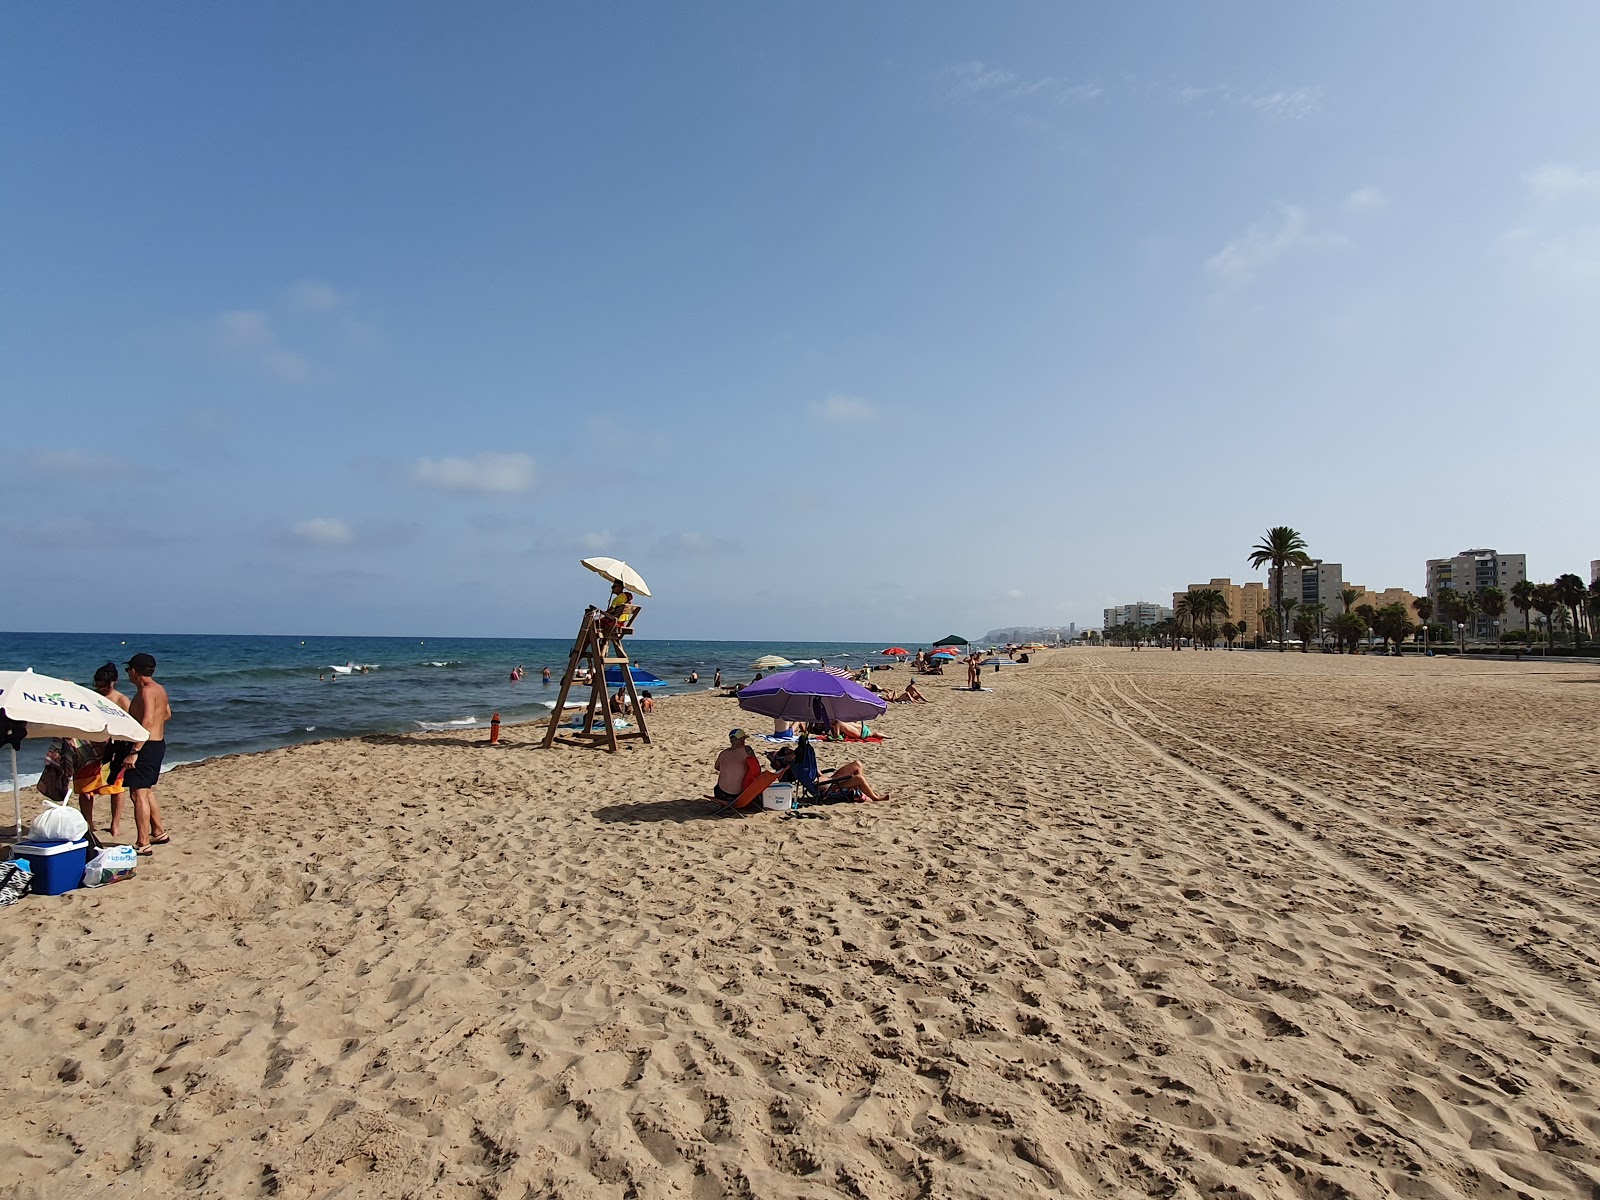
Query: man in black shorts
(151, 709)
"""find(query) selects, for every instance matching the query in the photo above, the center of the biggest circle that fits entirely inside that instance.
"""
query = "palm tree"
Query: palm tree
(1547, 601)
(1268, 621)
(1522, 597)
(1571, 592)
(1464, 605)
(1212, 604)
(1423, 607)
(1492, 604)
(1348, 628)
(1229, 632)
(1319, 613)
(1348, 598)
(1305, 627)
(1369, 618)
(1289, 605)
(1182, 615)
(1281, 548)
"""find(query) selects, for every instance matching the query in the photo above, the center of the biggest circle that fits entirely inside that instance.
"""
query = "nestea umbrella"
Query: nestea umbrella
(45, 707)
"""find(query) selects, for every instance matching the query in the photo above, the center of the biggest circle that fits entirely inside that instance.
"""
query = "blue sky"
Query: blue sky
(837, 321)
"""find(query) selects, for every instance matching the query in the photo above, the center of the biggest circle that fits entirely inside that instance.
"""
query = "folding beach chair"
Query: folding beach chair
(813, 789)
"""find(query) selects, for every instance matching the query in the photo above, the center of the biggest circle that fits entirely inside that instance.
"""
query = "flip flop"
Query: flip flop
(144, 851)
(162, 840)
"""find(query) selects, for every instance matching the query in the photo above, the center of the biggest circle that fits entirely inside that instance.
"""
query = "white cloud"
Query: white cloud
(1243, 259)
(1557, 238)
(492, 473)
(325, 531)
(593, 543)
(1366, 200)
(314, 296)
(1014, 594)
(1291, 105)
(1287, 106)
(246, 335)
(979, 78)
(1553, 183)
(843, 410)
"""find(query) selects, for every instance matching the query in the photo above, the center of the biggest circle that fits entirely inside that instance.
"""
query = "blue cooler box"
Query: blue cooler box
(57, 866)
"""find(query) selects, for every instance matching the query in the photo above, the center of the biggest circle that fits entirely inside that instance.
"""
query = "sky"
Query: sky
(835, 321)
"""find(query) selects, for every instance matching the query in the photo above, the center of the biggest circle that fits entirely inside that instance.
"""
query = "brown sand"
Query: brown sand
(1197, 924)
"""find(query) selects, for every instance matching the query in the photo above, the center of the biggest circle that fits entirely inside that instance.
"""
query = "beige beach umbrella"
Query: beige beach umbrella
(770, 662)
(41, 706)
(618, 571)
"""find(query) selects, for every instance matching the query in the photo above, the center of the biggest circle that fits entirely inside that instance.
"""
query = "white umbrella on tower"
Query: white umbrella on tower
(41, 706)
(618, 571)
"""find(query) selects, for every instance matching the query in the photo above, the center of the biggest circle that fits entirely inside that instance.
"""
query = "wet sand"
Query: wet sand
(1195, 924)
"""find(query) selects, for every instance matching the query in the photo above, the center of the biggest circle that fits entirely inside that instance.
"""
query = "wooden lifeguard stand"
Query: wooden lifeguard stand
(598, 645)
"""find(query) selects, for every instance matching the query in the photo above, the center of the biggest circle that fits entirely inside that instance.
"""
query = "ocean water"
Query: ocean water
(241, 693)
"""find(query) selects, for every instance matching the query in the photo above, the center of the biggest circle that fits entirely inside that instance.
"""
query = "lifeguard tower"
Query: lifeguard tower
(599, 645)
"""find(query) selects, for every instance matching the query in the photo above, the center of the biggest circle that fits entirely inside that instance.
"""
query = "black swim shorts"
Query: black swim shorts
(146, 769)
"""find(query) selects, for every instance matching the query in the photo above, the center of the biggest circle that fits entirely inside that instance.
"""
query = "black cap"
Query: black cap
(142, 663)
(106, 674)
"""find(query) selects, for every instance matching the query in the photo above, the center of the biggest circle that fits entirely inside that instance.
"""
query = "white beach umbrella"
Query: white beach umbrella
(618, 571)
(770, 662)
(53, 708)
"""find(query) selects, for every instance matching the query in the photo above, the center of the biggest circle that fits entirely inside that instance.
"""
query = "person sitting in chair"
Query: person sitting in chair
(848, 782)
(734, 767)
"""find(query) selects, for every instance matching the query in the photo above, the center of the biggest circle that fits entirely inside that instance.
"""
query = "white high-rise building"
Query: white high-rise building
(1474, 569)
(1140, 612)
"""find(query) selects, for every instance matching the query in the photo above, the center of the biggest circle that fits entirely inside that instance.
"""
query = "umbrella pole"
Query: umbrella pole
(16, 792)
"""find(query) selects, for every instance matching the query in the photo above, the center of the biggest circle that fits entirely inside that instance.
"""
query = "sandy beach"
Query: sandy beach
(1171, 924)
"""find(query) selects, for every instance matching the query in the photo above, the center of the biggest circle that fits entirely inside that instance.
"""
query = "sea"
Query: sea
(233, 694)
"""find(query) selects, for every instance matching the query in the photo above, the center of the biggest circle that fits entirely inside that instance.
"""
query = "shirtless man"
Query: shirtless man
(151, 709)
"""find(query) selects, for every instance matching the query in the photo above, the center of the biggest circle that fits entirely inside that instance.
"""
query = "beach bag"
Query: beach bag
(111, 865)
(58, 823)
(15, 882)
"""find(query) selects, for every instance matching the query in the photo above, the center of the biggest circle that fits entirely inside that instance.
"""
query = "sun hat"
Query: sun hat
(737, 735)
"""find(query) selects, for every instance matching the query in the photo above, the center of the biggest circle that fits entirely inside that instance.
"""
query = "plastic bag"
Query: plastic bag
(58, 823)
(111, 865)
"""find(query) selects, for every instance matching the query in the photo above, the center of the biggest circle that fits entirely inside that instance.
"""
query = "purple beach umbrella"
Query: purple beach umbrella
(810, 696)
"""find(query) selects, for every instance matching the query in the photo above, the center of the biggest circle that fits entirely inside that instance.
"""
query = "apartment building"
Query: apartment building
(1141, 612)
(1384, 598)
(1319, 583)
(1474, 569)
(1245, 601)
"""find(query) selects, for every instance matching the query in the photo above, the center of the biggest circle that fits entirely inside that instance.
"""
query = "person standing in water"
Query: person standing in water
(152, 709)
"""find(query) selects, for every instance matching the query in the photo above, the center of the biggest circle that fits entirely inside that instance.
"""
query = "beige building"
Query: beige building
(1245, 601)
(1384, 598)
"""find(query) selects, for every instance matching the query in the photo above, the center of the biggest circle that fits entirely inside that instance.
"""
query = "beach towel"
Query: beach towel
(856, 737)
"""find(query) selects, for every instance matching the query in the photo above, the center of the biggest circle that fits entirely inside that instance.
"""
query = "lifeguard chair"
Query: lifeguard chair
(599, 645)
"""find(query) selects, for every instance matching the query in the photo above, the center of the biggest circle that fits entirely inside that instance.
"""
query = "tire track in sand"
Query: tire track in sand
(1558, 995)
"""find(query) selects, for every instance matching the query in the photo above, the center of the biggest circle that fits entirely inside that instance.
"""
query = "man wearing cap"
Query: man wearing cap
(151, 709)
(733, 766)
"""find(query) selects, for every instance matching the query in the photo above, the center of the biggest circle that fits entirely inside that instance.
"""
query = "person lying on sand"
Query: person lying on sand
(910, 696)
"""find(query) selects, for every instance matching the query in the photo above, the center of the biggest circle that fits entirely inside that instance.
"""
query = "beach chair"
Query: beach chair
(807, 778)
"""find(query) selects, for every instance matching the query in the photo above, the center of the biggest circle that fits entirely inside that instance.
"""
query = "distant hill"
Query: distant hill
(1030, 633)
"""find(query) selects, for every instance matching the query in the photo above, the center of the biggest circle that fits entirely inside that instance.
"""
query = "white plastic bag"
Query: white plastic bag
(110, 865)
(58, 823)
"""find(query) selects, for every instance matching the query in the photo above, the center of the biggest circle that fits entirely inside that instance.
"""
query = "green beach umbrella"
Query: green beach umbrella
(952, 640)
